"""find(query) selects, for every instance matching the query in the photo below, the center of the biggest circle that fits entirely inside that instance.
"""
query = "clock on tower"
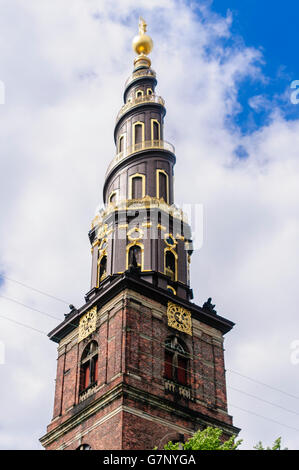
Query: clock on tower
(139, 364)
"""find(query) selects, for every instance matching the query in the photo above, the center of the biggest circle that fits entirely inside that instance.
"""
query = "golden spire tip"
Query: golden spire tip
(142, 43)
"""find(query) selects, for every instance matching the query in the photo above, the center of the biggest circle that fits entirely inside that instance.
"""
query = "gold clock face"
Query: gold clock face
(86, 327)
(87, 324)
(179, 318)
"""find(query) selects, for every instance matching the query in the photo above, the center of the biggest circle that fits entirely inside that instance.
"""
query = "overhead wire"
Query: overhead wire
(155, 357)
(22, 324)
(29, 307)
(264, 417)
(34, 289)
(263, 383)
(153, 339)
(151, 355)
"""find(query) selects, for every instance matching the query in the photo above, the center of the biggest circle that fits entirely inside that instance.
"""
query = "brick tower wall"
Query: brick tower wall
(130, 407)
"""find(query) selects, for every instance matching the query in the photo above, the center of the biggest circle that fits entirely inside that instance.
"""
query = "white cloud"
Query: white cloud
(64, 70)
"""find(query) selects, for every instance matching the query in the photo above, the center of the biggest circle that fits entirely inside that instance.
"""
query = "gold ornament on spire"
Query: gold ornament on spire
(142, 26)
(142, 44)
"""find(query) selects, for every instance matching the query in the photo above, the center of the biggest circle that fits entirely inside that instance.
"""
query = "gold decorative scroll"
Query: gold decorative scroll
(179, 318)
(88, 324)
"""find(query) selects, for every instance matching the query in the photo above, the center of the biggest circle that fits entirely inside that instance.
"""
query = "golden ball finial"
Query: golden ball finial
(142, 44)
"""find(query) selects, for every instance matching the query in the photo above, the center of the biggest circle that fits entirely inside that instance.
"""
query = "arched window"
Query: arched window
(121, 144)
(112, 197)
(170, 265)
(89, 366)
(162, 185)
(84, 447)
(176, 361)
(171, 290)
(102, 268)
(149, 91)
(136, 186)
(135, 256)
(139, 94)
(155, 129)
(138, 133)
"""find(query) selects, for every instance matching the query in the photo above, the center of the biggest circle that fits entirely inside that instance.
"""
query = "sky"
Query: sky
(229, 68)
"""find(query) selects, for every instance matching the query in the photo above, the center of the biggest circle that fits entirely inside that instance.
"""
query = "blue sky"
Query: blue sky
(64, 72)
(271, 27)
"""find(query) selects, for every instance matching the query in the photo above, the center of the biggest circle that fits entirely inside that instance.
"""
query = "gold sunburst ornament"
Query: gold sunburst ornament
(179, 318)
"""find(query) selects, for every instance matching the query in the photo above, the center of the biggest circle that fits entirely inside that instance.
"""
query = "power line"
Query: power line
(67, 303)
(265, 401)
(234, 406)
(197, 374)
(200, 375)
(30, 308)
(35, 310)
(262, 383)
(194, 373)
(23, 324)
(34, 289)
(264, 417)
(153, 339)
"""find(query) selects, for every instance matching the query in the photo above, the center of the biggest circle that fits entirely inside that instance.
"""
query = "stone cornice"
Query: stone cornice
(82, 415)
(128, 281)
(127, 391)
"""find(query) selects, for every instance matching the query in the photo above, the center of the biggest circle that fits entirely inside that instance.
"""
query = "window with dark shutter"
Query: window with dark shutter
(137, 187)
(135, 256)
(121, 144)
(86, 369)
(103, 268)
(168, 365)
(138, 133)
(156, 131)
(176, 361)
(182, 370)
(170, 265)
(89, 366)
(163, 186)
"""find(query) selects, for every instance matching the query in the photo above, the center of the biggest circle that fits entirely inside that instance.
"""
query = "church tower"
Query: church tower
(139, 364)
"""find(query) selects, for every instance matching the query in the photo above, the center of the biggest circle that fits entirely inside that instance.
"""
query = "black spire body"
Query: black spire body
(140, 221)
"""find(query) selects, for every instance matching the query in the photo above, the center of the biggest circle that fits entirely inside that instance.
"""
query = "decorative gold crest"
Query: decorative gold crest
(88, 324)
(135, 233)
(179, 318)
(170, 240)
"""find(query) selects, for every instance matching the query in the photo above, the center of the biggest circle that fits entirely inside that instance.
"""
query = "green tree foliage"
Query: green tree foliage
(208, 439)
(276, 445)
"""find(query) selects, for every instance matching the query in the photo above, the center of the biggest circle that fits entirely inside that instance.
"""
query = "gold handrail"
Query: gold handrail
(140, 100)
(140, 73)
(146, 202)
(144, 145)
